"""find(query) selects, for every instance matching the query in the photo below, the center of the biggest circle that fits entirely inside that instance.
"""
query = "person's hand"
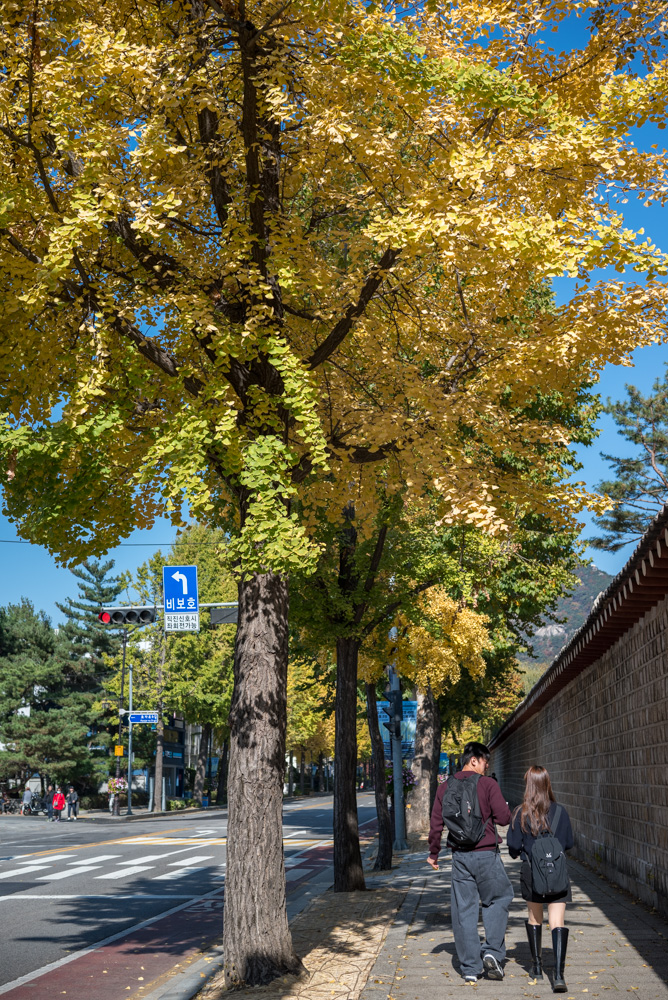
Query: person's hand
(434, 864)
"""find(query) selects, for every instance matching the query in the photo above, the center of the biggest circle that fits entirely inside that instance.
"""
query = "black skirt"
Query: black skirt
(530, 896)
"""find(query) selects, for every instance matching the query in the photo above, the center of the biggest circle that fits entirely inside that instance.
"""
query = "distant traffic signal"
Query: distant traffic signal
(133, 615)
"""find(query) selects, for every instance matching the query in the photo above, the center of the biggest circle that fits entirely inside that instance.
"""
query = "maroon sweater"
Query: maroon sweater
(493, 809)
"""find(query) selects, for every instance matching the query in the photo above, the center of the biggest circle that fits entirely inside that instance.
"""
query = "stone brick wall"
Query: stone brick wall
(604, 739)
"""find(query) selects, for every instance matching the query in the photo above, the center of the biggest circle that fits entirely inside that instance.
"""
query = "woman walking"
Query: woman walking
(539, 820)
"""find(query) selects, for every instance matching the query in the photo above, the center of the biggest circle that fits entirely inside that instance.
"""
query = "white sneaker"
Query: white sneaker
(492, 967)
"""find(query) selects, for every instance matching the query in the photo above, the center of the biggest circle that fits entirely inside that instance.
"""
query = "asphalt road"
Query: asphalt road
(69, 886)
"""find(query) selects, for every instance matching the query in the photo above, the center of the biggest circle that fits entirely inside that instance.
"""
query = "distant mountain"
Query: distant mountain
(575, 608)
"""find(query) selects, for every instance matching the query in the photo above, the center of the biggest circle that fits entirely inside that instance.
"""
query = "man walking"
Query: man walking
(48, 802)
(478, 875)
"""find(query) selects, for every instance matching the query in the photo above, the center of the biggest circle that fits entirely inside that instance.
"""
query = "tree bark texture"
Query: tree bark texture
(202, 756)
(425, 763)
(256, 939)
(348, 872)
(221, 790)
(384, 856)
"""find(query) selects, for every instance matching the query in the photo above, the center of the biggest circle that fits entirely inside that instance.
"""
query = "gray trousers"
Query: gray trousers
(478, 877)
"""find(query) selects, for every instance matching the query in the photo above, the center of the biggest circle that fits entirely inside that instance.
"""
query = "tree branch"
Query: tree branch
(353, 312)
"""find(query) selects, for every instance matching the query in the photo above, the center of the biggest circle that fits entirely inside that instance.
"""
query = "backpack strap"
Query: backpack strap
(557, 817)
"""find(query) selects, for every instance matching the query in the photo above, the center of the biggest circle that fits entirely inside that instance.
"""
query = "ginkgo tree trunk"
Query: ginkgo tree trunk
(250, 250)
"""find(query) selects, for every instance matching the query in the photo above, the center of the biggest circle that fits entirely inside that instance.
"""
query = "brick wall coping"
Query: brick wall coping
(640, 585)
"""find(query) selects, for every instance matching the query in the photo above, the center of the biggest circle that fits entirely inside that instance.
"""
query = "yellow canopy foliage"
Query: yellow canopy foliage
(442, 638)
(246, 257)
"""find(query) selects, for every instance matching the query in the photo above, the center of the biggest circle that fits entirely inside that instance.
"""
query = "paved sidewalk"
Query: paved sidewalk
(395, 943)
(615, 946)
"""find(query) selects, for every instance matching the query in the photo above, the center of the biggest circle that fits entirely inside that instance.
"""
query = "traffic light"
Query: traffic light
(133, 615)
(396, 713)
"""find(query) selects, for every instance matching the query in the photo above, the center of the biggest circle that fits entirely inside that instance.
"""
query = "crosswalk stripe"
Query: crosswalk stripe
(155, 857)
(52, 857)
(191, 861)
(179, 873)
(68, 873)
(124, 872)
(23, 871)
(93, 861)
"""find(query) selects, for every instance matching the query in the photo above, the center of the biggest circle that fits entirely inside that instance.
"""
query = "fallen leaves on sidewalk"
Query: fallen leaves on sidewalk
(338, 938)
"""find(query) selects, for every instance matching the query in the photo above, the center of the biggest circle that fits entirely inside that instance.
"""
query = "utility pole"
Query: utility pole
(117, 796)
(129, 812)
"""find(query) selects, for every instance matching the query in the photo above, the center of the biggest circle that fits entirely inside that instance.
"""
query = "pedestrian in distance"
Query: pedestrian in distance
(72, 804)
(27, 799)
(540, 833)
(48, 802)
(5, 802)
(58, 804)
(471, 805)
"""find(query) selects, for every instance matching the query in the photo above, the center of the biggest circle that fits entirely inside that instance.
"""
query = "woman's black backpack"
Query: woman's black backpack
(549, 875)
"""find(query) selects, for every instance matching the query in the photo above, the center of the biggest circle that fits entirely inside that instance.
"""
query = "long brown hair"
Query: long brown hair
(538, 797)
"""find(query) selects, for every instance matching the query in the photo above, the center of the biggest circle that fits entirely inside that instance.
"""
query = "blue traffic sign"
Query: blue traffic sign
(137, 717)
(179, 584)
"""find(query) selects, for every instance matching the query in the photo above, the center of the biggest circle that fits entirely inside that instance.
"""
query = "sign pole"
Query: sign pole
(129, 812)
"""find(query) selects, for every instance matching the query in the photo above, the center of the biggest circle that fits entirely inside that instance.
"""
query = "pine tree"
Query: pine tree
(640, 485)
(35, 733)
(87, 638)
(84, 650)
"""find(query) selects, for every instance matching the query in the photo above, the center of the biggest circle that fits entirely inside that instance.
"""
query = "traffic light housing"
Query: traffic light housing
(396, 714)
(139, 614)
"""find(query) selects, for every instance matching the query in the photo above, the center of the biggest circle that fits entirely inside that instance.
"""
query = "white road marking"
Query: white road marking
(191, 861)
(297, 833)
(124, 872)
(155, 857)
(38, 973)
(23, 871)
(49, 858)
(180, 873)
(79, 870)
(93, 861)
(28, 895)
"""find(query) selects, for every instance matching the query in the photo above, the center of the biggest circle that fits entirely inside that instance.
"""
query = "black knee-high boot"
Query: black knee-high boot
(534, 934)
(559, 944)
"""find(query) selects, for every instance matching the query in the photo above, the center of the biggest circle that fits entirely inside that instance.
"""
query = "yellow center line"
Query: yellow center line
(82, 847)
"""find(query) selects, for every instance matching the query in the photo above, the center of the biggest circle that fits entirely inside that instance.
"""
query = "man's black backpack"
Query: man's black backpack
(461, 811)
(549, 875)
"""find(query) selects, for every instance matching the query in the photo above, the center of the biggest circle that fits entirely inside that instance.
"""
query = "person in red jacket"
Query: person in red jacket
(478, 875)
(58, 804)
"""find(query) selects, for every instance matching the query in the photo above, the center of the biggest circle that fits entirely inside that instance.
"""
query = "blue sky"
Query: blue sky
(28, 570)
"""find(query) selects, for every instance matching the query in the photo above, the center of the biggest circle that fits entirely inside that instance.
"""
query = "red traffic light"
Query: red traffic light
(104, 617)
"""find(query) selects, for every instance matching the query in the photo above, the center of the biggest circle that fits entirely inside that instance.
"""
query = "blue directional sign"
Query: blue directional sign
(137, 717)
(179, 585)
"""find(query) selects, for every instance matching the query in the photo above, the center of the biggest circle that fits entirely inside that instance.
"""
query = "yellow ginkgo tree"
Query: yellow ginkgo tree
(251, 251)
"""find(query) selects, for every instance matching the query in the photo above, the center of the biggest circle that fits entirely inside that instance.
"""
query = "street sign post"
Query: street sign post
(179, 585)
(137, 718)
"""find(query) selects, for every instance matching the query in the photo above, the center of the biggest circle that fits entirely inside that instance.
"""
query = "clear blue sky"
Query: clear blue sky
(28, 570)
